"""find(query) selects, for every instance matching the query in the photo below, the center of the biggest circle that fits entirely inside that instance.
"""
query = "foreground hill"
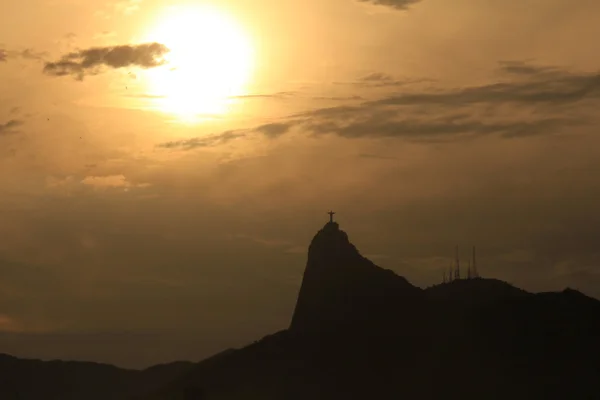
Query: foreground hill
(359, 331)
(25, 379)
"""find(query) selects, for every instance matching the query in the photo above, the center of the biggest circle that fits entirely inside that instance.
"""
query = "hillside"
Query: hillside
(359, 331)
(362, 332)
(26, 379)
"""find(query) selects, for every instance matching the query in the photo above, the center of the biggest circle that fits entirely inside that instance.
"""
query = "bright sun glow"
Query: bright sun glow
(210, 60)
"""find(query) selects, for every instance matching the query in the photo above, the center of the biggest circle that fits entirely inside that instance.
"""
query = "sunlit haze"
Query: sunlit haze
(210, 61)
(164, 164)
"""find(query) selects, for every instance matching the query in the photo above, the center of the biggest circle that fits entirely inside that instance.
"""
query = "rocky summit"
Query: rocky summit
(340, 287)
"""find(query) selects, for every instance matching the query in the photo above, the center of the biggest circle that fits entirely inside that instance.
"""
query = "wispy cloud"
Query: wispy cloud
(396, 4)
(534, 101)
(28, 54)
(111, 181)
(205, 141)
(9, 127)
(270, 130)
(80, 63)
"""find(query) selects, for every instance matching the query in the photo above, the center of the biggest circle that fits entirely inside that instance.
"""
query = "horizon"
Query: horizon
(164, 165)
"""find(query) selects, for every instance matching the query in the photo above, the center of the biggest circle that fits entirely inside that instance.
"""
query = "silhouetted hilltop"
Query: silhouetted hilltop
(341, 287)
(474, 293)
(360, 331)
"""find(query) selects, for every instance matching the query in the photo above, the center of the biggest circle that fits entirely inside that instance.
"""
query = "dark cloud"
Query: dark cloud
(541, 104)
(541, 101)
(207, 141)
(397, 4)
(9, 127)
(560, 88)
(273, 130)
(80, 63)
(522, 68)
(3, 55)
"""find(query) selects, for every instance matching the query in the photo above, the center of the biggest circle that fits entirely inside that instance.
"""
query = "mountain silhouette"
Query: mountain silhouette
(341, 288)
(359, 331)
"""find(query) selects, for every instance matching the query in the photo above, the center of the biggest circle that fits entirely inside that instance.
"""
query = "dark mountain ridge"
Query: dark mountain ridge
(35, 379)
(360, 331)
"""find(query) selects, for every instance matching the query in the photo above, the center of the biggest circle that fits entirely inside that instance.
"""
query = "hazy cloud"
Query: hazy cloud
(279, 95)
(273, 130)
(538, 102)
(377, 77)
(28, 54)
(379, 80)
(522, 68)
(9, 126)
(397, 4)
(111, 181)
(147, 55)
(206, 141)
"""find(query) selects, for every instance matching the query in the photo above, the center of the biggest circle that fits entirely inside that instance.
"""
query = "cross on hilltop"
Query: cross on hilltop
(330, 216)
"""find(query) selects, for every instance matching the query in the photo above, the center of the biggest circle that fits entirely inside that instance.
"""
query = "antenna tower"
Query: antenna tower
(457, 271)
(475, 273)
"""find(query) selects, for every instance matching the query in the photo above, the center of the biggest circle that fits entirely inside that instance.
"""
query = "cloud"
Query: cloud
(111, 181)
(28, 54)
(274, 130)
(522, 68)
(271, 130)
(205, 141)
(278, 95)
(539, 101)
(9, 126)
(396, 4)
(379, 79)
(147, 55)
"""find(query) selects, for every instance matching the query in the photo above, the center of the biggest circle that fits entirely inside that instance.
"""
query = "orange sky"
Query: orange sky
(151, 196)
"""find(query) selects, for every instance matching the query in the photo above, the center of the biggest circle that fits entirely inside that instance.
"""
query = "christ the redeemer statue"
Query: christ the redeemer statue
(330, 216)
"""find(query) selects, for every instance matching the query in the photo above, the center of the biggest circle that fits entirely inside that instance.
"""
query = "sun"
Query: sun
(209, 63)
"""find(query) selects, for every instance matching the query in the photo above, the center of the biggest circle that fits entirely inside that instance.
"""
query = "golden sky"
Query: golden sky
(164, 164)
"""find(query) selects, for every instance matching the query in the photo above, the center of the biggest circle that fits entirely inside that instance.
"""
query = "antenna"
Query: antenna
(457, 271)
(475, 274)
(469, 276)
